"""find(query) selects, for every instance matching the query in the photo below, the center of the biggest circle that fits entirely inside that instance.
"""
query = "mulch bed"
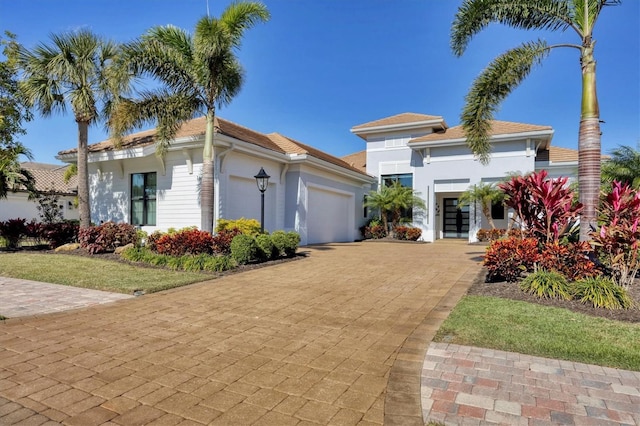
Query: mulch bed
(117, 258)
(512, 291)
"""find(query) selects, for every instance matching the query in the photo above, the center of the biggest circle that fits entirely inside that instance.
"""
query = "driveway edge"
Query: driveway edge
(403, 405)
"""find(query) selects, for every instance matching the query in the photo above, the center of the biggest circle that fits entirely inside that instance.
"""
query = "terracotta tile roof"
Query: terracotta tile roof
(406, 117)
(556, 154)
(196, 128)
(357, 160)
(51, 176)
(292, 146)
(497, 128)
(192, 128)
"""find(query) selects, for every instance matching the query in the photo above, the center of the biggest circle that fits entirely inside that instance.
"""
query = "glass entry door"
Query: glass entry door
(456, 220)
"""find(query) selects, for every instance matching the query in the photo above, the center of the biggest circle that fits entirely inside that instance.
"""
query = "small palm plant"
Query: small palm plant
(546, 285)
(601, 292)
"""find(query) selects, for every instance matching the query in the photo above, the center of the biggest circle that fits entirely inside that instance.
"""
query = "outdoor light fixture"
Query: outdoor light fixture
(262, 180)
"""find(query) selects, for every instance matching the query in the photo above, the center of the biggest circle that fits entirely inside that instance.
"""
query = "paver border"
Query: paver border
(403, 400)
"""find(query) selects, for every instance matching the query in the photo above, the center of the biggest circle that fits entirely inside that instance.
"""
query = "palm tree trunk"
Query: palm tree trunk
(589, 149)
(486, 211)
(207, 185)
(83, 174)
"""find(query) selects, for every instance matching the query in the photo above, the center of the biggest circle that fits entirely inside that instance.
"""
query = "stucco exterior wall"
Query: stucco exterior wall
(18, 206)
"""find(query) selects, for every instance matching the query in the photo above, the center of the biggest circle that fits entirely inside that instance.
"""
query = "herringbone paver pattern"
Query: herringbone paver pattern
(336, 338)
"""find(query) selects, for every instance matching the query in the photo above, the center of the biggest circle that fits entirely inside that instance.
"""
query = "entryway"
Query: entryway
(455, 219)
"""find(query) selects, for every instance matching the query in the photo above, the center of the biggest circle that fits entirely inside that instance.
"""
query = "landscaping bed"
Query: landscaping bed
(512, 291)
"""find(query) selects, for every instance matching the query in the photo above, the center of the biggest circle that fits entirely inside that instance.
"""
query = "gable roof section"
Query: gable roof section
(51, 176)
(497, 128)
(193, 128)
(196, 127)
(357, 160)
(291, 146)
(404, 118)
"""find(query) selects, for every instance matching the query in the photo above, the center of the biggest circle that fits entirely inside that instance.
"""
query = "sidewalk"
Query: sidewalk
(466, 385)
(20, 298)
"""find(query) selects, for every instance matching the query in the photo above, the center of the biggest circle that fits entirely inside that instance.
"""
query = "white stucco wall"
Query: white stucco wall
(445, 172)
(18, 206)
(293, 190)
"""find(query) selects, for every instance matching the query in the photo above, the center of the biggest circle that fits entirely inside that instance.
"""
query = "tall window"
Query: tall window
(143, 198)
(405, 180)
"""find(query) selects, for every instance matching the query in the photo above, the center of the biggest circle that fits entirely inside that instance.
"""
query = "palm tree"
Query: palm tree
(79, 69)
(197, 74)
(623, 166)
(484, 193)
(507, 71)
(392, 200)
(12, 176)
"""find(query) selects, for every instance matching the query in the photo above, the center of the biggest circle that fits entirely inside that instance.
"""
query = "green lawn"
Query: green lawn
(528, 328)
(93, 273)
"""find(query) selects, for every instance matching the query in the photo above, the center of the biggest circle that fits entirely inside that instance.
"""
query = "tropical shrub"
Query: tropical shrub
(266, 248)
(546, 285)
(59, 233)
(374, 232)
(34, 231)
(286, 242)
(189, 262)
(244, 249)
(571, 260)
(507, 259)
(245, 226)
(49, 207)
(187, 241)
(292, 242)
(13, 230)
(152, 239)
(106, 237)
(484, 235)
(222, 240)
(601, 292)
(616, 243)
(545, 207)
(407, 233)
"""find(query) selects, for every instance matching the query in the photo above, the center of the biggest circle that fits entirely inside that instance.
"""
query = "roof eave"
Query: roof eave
(306, 159)
(545, 135)
(362, 131)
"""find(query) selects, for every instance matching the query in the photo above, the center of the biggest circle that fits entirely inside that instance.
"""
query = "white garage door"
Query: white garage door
(329, 216)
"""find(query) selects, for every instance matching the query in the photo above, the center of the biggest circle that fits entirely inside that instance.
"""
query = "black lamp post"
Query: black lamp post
(262, 179)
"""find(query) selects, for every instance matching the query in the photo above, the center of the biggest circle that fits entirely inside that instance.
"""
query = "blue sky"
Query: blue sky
(320, 67)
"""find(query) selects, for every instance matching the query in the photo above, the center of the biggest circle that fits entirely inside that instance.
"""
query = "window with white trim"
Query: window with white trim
(143, 198)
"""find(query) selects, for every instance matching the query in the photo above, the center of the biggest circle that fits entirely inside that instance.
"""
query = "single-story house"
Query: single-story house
(48, 177)
(314, 193)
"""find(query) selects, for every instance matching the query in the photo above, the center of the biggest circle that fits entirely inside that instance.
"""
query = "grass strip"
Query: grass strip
(98, 274)
(528, 328)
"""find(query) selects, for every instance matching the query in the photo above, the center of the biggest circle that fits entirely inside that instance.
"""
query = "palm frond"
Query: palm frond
(475, 15)
(241, 16)
(493, 85)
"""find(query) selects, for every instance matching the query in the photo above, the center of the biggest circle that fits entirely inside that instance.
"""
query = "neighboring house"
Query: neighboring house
(316, 194)
(48, 177)
(423, 152)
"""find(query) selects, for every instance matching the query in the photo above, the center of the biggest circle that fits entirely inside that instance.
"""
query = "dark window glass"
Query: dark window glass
(143, 198)
(497, 211)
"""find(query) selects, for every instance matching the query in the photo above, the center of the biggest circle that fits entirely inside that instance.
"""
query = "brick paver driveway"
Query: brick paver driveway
(336, 338)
